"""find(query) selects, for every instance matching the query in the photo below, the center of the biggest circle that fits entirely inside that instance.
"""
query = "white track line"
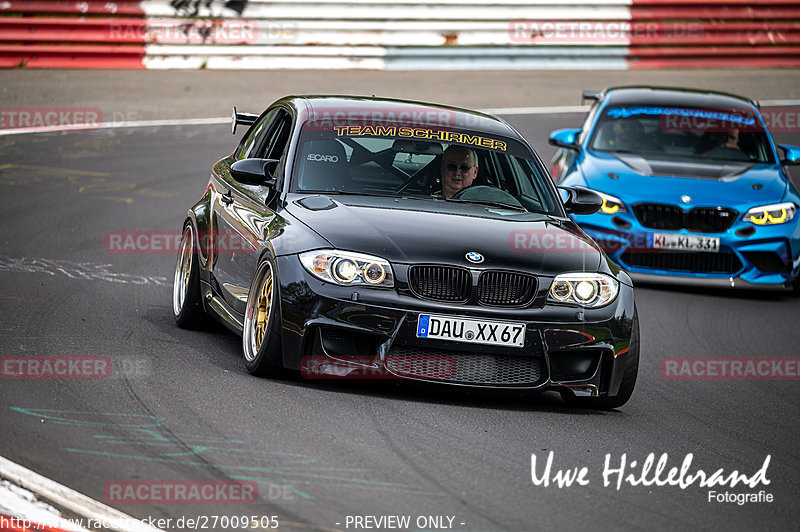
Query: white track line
(226, 119)
(537, 110)
(71, 500)
(117, 125)
(778, 103)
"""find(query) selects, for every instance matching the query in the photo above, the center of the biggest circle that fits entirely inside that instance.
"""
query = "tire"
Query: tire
(187, 303)
(261, 337)
(628, 377)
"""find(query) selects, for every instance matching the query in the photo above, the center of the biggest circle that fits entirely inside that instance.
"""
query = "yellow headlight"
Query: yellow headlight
(778, 213)
(779, 219)
(759, 221)
(609, 209)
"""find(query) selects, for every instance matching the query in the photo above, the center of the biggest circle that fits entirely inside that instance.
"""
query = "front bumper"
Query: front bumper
(330, 331)
(766, 257)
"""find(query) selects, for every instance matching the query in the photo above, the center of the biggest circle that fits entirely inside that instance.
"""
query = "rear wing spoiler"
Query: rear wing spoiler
(590, 95)
(245, 119)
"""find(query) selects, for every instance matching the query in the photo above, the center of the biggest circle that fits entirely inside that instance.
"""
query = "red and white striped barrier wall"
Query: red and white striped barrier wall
(399, 34)
(67, 34)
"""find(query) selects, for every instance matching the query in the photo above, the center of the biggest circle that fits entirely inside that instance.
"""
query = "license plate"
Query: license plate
(707, 244)
(471, 331)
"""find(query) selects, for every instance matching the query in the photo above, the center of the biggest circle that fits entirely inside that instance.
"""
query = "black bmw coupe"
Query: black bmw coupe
(379, 238)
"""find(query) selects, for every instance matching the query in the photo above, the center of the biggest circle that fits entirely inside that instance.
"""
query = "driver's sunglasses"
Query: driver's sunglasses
(463, 168)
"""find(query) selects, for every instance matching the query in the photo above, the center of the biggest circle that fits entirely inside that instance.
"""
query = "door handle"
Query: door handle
(227, 198)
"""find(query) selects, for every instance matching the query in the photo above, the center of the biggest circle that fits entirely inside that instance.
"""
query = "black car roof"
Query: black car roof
(320, 105)
(674, 97)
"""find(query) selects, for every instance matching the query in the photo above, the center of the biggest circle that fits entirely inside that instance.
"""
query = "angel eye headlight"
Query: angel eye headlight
(347, 268)
(585, 289)
(611, 205)
(778, 213)
(561, 290)
(374, 273)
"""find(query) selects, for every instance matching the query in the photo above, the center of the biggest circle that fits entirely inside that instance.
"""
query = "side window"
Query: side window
(276, 140)
(254, 134)
(278, 137)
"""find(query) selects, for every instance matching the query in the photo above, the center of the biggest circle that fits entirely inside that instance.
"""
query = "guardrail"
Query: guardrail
(399, 34)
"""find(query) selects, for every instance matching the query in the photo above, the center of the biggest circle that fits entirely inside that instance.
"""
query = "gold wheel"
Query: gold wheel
(257, 324)
(262, 311)
(183, 271)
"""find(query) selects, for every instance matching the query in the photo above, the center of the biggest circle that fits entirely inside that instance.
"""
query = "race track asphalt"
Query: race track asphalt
(179, 404)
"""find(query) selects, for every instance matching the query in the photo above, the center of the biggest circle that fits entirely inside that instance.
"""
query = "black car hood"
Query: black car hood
(414, 232)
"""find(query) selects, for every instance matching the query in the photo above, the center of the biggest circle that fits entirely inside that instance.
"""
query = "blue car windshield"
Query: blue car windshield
(421, 162)
(711, 135)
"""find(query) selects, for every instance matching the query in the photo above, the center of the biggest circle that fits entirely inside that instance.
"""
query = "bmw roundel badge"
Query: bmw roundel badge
(474, 256)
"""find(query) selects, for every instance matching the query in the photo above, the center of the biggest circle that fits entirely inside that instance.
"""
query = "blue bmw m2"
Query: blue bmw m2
(695, 191)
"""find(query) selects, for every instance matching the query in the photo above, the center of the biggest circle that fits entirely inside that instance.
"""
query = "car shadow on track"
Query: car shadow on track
(221, 348)
(409, 391)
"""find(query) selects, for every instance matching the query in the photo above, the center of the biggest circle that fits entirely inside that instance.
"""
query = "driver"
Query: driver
(627, 135)
(459, 169)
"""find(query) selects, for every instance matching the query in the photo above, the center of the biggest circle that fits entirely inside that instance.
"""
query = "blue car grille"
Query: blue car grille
(684, 261)
(672, 218)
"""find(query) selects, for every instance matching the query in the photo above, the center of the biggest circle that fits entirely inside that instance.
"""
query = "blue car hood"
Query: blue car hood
(638, 180)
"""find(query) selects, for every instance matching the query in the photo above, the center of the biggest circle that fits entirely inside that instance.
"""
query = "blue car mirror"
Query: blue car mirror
(791, 154)
(565, 138)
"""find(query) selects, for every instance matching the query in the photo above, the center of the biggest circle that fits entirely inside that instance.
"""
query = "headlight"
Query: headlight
(778, 213)
(611, 205)
(347, 268)
(585, 289)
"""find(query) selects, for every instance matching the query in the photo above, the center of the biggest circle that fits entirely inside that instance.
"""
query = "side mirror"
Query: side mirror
(565, 138)
(254, 171)
(581, 200)
(791, 154)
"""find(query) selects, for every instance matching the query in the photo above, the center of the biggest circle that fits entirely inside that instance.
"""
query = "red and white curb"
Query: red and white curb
(22, 509)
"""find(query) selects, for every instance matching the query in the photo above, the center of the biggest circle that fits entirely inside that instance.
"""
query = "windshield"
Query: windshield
(420, 162)
(702, 134)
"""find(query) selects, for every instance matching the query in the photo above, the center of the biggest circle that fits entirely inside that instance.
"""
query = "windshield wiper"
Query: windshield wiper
(424, 198)
(623, 151)
(489, 203)
(370, 194)
(349, 193)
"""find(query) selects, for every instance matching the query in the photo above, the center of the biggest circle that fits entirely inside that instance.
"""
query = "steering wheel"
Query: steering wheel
(405, 184)
(487, 193)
